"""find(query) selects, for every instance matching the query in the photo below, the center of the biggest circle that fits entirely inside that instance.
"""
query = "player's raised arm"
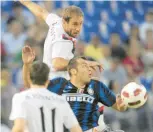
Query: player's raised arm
(35, 9)
(28, 56)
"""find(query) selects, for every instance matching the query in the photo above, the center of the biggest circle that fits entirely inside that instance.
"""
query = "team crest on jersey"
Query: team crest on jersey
(90, 91)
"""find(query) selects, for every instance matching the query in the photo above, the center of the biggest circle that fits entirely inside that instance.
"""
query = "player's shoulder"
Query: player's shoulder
(52, 19)
(93, 82)
(57, 98)
(97, 84)
(20, 97)
(58, 80)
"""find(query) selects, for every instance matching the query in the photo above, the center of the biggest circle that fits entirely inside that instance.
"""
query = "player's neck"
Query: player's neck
(77, 83)
(37, 86)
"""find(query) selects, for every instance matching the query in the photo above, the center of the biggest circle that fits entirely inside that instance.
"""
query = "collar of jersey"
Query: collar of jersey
(70, 84)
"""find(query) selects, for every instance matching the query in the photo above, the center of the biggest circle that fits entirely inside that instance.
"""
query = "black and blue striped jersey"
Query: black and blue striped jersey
(84, 101)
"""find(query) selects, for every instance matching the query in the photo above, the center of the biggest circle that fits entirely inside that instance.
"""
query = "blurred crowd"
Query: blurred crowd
(124, 60)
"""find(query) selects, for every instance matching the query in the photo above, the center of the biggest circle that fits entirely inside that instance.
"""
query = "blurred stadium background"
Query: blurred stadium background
(118, 34)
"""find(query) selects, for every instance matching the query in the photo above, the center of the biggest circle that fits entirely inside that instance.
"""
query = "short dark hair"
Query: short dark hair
(73, 63)
(70, 11)
(16, 5)
(90, 58)
(39, 73)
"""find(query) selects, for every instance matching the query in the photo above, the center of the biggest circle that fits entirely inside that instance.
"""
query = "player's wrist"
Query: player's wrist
(26, 63)
(124, 108)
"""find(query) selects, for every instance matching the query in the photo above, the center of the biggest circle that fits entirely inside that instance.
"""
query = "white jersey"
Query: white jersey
(42, 110)
(55, 46)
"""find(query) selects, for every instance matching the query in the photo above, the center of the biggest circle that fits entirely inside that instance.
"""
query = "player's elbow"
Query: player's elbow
(17, 129)
(56, 65)
(59, 64)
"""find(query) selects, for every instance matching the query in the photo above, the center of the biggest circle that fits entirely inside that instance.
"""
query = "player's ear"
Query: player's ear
(73, 71)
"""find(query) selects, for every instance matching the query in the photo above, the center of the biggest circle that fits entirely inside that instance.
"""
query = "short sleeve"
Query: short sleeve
(51, 19)
(56, 85)
(62, 49)
(17, 108)
(69, 117)
(106, 96)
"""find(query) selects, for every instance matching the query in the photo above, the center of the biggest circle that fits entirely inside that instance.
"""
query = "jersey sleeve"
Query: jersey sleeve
(51, 19)
(62, 49)
(57, 85)
(18, 110)
(69, 117)
(105, 95)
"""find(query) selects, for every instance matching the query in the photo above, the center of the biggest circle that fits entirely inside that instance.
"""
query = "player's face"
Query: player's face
(74, 26)
(83, 71)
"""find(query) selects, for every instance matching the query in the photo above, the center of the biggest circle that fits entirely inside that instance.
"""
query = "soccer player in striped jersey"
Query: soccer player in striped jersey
(83, 93)
(39, 110)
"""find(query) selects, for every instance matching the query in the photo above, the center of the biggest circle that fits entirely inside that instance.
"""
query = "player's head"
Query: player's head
(72, 20)
(79, 69)
(39, 73)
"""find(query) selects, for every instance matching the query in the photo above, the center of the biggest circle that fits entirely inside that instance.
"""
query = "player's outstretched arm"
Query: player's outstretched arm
(108, 98)
(28, 56)
(60, 64)
(35, 9)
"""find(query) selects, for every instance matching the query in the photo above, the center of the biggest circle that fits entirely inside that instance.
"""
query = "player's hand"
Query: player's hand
(28, 55)
(95, 64)
(95, 129)
(120, 103)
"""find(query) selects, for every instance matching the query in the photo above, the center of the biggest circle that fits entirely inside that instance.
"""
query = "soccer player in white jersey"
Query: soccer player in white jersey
(38, 109)
(61, 39)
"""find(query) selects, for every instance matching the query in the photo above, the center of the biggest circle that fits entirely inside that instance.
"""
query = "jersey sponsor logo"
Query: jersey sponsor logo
(78, 97)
